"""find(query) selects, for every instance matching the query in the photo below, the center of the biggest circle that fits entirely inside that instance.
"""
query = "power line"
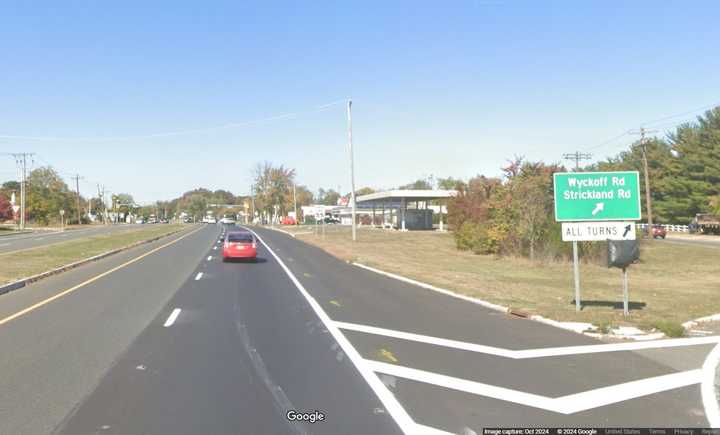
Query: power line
(626, 132)
(680, 114)
(319, 108)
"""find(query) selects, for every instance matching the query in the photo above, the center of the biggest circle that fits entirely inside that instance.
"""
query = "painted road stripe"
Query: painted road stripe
(198, 276)
(170, 320)
(5, 244)
(91, 280)
(707, 388)
(389, 401)
(569, 404)
(530, 353)
(209, 257)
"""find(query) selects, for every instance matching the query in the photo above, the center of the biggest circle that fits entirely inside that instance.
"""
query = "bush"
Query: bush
(467, 236)
(480, 238)
(669, 328)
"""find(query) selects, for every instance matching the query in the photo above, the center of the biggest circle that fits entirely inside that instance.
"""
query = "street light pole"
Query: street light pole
(352, 170)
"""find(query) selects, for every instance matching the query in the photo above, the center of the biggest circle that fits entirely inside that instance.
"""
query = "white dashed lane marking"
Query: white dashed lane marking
(174, 315)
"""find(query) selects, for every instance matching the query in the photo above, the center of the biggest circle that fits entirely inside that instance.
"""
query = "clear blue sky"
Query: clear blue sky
(443, 88)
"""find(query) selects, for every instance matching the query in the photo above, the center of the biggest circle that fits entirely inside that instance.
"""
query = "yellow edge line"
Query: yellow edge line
(93, 279)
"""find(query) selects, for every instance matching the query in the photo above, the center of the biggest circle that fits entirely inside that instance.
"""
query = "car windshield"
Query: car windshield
(240, 237)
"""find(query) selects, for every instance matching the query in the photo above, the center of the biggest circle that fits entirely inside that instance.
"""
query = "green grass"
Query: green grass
(673, 283)
(21, 264)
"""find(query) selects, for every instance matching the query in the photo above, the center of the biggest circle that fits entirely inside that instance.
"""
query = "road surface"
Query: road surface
(687, 239)
(36, 239)
(166, 338)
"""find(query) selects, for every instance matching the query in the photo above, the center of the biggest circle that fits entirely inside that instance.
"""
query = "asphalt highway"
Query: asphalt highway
(167, 338)
(41, 238)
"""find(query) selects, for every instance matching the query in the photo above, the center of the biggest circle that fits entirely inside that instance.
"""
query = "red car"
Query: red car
(288, 220)
(658, 231)
(239, 245)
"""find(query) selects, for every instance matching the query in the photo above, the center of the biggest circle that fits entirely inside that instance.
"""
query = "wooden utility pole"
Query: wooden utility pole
(77, 191)
(648, 200)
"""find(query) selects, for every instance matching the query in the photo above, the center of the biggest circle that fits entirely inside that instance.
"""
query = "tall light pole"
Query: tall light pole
(352, 170)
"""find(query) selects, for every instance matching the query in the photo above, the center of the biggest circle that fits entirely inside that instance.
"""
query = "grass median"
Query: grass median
(28, 262)
(673, 283)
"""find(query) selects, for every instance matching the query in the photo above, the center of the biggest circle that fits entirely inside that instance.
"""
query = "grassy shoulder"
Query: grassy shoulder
(17, 265)
(672, 284)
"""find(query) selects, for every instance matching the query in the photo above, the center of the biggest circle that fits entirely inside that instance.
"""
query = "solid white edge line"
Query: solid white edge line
(707, 387)
(170, 320)
(198, 276)
(481, 302)
(398, 413)
(568, 404)
(529, 353)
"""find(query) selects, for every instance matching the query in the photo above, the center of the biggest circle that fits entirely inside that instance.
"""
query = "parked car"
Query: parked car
(658, 231)
(288, 220)
(239, 245)
(331, 220)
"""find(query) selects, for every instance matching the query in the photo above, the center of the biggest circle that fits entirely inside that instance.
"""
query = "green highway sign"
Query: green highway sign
(597, 196)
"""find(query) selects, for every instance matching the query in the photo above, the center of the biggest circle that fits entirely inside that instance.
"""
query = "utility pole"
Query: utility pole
(648, 201)
(101, 195)
(77, 191)
(577, 156)
(21, 160)
(352, 170)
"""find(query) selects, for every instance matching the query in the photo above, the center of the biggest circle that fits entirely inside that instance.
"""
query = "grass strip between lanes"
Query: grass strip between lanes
(672, 283)
(21, 264)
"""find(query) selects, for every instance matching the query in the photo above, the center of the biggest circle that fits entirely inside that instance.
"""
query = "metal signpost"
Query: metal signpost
(62, 220)
(588, 203)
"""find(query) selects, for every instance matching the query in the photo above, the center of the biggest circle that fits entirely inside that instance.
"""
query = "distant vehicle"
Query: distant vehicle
(288, 220)
(659, 231)
(209, 220)
(706, 223)
(239, 244)
(227, 220)
(140, 221)
(331, 220)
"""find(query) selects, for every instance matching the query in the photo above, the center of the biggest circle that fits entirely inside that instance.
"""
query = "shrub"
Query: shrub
(669, 328)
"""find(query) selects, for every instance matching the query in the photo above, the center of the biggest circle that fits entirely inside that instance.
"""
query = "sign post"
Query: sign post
(62, 220)
(591, 206)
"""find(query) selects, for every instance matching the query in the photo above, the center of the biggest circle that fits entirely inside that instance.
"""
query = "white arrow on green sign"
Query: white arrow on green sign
(597, 196)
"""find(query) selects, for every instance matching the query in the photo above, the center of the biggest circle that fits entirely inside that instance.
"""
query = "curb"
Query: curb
(576, 327)
(34, 278)
(14, 233)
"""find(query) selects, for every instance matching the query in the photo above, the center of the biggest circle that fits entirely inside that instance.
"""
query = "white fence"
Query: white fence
(674, 228)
